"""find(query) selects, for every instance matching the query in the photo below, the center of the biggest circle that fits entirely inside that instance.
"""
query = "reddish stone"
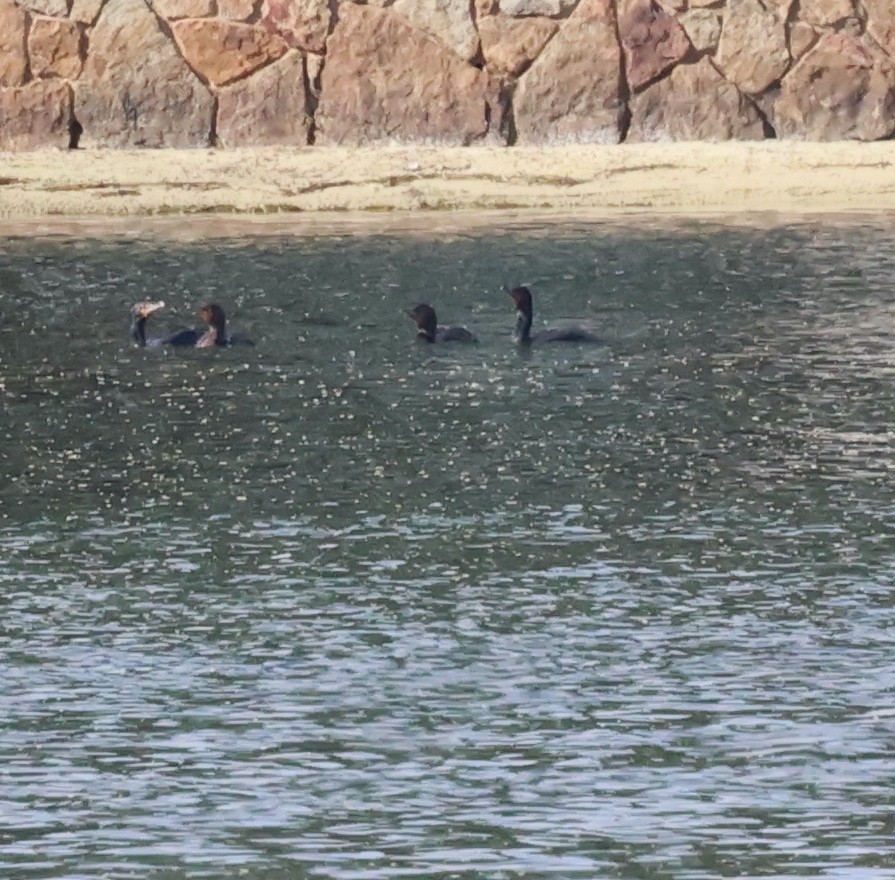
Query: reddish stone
(653, 41)
(385, 81)
(266, 109)
(54, 47)
(509, 45)
(693, 103)
(35, 116)
(303, 24)
(572, 93)
(842, 88)
(135, 89)
(13, 61)
(223, 51)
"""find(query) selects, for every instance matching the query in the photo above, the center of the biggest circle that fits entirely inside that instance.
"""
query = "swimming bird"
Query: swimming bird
(427, 327)
(215, 333)
(140, 314)
(522, 299)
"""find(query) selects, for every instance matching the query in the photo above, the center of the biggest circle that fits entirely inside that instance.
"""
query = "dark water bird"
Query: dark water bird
(522, 299)
(428, 330)
(140, 314)
(214, 334)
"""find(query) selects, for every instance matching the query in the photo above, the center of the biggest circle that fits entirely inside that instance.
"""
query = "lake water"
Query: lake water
(342, 605)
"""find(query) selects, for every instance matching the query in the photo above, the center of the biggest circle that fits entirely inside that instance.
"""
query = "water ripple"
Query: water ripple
(350, 607)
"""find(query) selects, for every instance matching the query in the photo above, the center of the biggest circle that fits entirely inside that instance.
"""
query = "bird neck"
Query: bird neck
(216, 334)
(138, 330)
(523, 327)
(209, 339)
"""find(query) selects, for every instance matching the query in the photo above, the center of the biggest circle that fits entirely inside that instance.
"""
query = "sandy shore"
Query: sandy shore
(679, 178)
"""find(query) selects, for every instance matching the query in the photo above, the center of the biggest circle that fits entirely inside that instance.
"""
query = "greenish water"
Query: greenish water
(345, 606)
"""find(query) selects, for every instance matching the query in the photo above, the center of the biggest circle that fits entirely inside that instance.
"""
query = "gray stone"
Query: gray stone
(236, 10)
(85, 11)
(881, 24)
(802, 36)
(703, 27)
(54, 8)
(550, 8)
(446, 20)
(828, 13)
(843, 88)
(752, 52)
(572, 93)
(694, 103)
(314, 68)
(174, 9)
(135, 89)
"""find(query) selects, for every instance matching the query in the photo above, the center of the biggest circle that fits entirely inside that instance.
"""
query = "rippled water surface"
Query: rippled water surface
(341, 605)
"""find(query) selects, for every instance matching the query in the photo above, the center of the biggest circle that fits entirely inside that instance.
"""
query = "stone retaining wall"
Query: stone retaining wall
(178, 73)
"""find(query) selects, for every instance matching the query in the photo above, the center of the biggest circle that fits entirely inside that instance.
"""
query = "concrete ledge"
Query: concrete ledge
(674, 178)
